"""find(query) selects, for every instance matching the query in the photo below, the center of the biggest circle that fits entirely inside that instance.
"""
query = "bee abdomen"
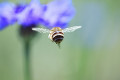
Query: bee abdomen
(58, 39)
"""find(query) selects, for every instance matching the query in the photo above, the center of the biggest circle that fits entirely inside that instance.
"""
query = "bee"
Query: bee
(56, 34)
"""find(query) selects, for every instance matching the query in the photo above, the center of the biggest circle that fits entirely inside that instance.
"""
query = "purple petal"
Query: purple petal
(31, 14)
(7, 15)
(3, 22)
(19, 8)
(58, 13)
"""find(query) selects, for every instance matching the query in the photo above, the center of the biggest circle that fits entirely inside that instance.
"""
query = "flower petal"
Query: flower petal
(7, 15)
(19, 8)
(58, 13)
(31, 14)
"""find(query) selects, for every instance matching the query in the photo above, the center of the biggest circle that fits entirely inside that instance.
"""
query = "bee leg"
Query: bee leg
(58, 45)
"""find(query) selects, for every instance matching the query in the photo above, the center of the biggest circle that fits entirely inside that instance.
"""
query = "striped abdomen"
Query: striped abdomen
(57, 37)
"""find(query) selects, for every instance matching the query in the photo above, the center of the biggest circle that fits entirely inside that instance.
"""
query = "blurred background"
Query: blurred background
(90, 53)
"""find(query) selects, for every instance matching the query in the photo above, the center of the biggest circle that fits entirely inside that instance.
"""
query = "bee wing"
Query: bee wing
(71, 29)
(41, 30)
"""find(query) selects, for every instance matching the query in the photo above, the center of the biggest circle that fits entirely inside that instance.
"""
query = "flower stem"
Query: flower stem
(27, 61)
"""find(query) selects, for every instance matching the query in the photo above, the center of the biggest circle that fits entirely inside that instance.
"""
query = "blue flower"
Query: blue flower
(54, 14)
(7, 15)
(58, 14)
(31, 15)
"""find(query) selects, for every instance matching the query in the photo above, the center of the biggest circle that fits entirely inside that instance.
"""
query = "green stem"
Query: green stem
(27, 61)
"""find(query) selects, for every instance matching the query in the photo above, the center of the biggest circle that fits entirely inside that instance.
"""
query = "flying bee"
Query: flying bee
(56, 34)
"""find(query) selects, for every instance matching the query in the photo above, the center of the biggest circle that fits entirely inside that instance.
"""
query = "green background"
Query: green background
(90, 53)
